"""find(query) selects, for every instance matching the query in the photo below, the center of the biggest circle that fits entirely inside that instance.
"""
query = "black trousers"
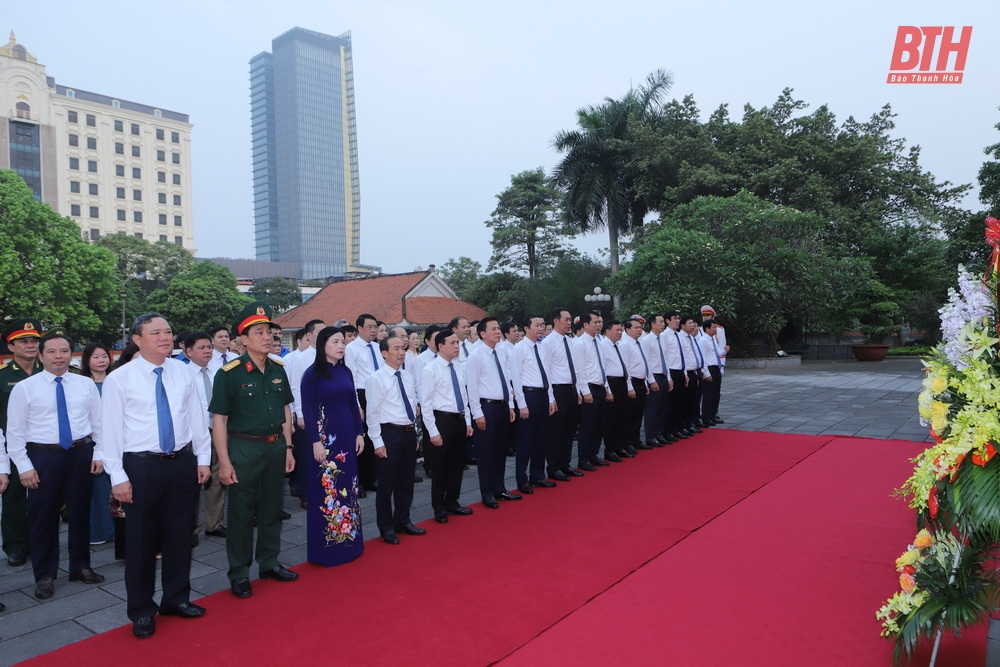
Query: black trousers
(710, 392)
(164, 493)
(302, 449)
(634, 410)
(447, 461)
(591, 425)
(615, 438)
(562, 427)
(676, 406)
(64, 477)
(532, 434)
(395, 477)
(367, 474)
(655, 410)
(693, 397)
(491, 448)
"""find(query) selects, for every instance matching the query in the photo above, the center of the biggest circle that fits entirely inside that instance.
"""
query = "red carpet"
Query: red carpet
(602, 570)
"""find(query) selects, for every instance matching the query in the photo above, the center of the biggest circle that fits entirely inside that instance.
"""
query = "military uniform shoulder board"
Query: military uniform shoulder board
(231, 365)
(278, 361)
(3, 366)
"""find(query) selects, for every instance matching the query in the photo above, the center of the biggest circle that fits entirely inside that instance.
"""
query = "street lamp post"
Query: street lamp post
(124, 295)
(597, 298)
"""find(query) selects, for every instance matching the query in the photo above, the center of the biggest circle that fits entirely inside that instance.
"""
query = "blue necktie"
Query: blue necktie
(164, 422)
(457, 387)
(663, 357)
(718, 359)
(374, 358)
(680, 351)
(597, 350)
(545, 379)
(697, 350)
(65, 432)
(225, 358)
(465, 349)
(643, 355)
(406, 401)
(620, 360)
(503, 380)
(569, 358)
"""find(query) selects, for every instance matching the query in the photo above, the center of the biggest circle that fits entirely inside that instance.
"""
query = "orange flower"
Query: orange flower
(932, 502)
(988, 453)
(907, 582)
(923, 539)
(909, 569)
(958, 464)
(937, 438)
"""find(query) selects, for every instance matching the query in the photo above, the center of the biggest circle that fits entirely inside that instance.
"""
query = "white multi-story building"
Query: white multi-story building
(109, 164)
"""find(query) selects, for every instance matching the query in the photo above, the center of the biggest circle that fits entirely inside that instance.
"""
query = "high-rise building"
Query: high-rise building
(109, 164)
(307, 199)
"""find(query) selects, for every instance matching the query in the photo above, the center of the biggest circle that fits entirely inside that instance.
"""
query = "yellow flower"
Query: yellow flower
(909, 558)
(923, 539)
(939, 384)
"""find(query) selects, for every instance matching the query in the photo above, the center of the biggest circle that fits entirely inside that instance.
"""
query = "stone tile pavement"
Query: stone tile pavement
(820, 397)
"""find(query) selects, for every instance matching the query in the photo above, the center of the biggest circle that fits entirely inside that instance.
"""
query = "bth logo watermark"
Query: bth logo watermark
(915, 51)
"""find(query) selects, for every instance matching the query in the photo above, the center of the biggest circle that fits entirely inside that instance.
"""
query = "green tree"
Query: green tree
(596, 174)
(154, 264)
(527, 234)
(201, 297)
(47, 270)
(462, 275)
(277, 292)
(565, 284)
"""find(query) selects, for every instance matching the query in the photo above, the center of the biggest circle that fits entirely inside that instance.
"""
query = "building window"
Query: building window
(135, 151)
(92, 166)
(74, 163)
(161, 197)
(94, 212)
(70, 93)
(74, 186)
(22, 110)
(91, 120)
(159, 134)
(119, 148)
(136, 172)
(177, 221)
(175, 137)
(175, 158)
(135, 129)
(163, 237)
(74, 210)
(119, 126)
(92, 143)
(137, 195)
(177, 179)
(161, 177)
(161, 156)
(74, 140)
(116, 104)
(136, 216)
(120, 170)
(138, 235)
(119, 193)
(121, 214)
(177, 200)
(178, 240)
(163, 218)
(157, 113)
(95, 234)
(92, 188)
(71, 116)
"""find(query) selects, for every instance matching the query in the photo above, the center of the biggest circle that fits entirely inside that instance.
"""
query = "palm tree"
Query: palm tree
(594, 173)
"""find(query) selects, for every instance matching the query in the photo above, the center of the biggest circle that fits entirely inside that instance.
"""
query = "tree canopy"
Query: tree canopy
(202, 297)
(277, 292)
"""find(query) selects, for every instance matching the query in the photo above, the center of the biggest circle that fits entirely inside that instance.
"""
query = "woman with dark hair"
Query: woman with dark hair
(412, 346)
(95, 364)
(126, 355)
(333, 424)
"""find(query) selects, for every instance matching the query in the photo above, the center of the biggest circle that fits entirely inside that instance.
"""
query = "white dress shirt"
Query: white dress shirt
(556, 363)
(613, 365)
(32, 415)
(199, 373)
(217, 362)
(671, 342)
(711, 351)
(633, 354)
(4, 460)
(525, 370)
(693, 360)
(385, 405)
(483, 378)
(438, 393)
(295, 370)
(358, 357)
(652, 344)
(128, 413)
(720, 337)
(589, 370)
(417, 369)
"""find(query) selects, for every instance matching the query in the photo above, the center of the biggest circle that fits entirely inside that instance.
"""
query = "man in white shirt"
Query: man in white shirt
(4, 478)
(713, 361)
(657, 403)
(154, 432)
(492, 406)
(220, 349)
(445, 409)
(467, 340)
(697, 372)
(198, 349)
(677, 400)
(54, 418)
(640, 377)
(568, 384)
(391, 418)
(533, 394)
(615, 431)
(596, 396)
(417, 370)
(708, 312)
(363, 358)
(302, 448)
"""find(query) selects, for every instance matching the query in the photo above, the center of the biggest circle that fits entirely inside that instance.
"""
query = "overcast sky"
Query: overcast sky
(455, 97)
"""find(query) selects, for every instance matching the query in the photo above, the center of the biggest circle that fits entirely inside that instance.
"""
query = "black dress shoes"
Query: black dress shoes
(491, 502)
(656, 443)
(695, 429)
(44, 589)
(559, 475)
(626, 454)
(2, 607)
(87, 576)
(643, 445)
(601, 463)
(629, 450)
(143, 627)
(572, 472)
(362, 493)
(410, 529)
(285, 516)
(507, 495)
(390, 537)
(717, 420)
(611, 456)
(544, 483)
(441, 517)
(589, 467)
(17, 559)
(184, 610)
(279, 573)
(526, 488)
(669, 439)
(218, 532)
(241, 587)
(459, 510)
(472, 462)
(680, 435)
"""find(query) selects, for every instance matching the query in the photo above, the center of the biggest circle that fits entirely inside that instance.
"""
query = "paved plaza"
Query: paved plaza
(820, 397)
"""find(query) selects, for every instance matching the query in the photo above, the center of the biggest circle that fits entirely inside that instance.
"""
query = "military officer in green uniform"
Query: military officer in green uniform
(252, 434)
(21, 337)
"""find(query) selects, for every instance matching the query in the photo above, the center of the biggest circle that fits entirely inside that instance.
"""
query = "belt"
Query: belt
(86, 440)
(398, 427)
(492, 401)
(616, 377)
(160, 456)
(442, 413)
(535, 388)
(638, 379)
(564, 385)
(594, 384)
(258, 438)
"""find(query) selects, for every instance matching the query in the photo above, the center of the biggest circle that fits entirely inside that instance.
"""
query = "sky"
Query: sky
(453, 98)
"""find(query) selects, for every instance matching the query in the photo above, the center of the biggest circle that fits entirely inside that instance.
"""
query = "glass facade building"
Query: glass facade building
(305, 165)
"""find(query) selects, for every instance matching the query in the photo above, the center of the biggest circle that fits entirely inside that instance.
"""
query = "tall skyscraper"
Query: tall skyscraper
(109, 164)
(307, 199)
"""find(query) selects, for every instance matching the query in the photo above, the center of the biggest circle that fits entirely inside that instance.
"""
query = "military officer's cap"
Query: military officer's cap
(254, 313)
(23, 328)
